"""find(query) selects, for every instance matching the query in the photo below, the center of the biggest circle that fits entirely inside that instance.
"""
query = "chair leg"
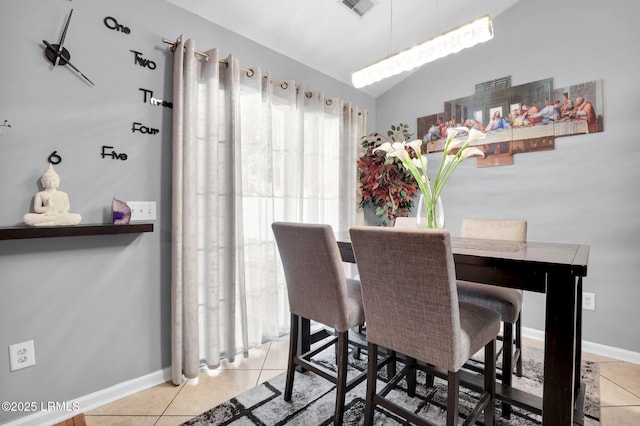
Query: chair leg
(357, 350)
(519, 344)
(507, 363)
(430, 380)
(490, 382)
(411, 378)
(391, 367)
(453, 393)
(341, 383)
(372, 373)
(291, 365)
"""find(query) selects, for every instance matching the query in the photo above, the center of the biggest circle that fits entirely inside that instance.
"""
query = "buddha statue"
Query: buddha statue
(51, 206)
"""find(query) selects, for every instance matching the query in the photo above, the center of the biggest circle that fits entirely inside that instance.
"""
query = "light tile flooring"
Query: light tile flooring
(166, 404)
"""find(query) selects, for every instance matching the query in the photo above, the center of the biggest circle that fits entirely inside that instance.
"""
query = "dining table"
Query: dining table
(554, 269)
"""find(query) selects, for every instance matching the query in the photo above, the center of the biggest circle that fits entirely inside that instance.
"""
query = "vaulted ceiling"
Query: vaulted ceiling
(331, 38)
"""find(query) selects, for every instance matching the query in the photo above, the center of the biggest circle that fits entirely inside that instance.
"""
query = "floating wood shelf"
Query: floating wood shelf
(23, 232)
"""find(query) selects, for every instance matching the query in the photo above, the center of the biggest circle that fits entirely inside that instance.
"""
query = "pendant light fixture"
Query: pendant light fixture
(469, 34)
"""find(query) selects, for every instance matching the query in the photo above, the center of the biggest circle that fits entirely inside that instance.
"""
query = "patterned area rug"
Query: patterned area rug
(313, 399)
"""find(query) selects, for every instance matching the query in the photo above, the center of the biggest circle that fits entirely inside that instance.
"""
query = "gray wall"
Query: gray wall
(584, 191)
(97, 307)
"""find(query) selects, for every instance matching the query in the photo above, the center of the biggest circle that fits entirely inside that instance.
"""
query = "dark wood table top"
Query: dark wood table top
(498, 262)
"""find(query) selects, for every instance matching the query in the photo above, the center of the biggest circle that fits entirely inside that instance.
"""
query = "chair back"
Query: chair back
(409, 292)
(494, 229)
(405, 222)
(314, 273)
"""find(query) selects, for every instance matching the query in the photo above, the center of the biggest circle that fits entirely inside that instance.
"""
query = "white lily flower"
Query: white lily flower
(452, 132)
(456, 143)
(474, 135)
(386, 147)
(472, 151)
(416, 145)
(400, 152)
(419, 163)
(448, 160)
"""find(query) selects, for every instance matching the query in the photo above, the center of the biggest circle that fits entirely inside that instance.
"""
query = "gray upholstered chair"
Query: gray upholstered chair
(506, 301)
(405, 222)
(318, 291)
(412, 309)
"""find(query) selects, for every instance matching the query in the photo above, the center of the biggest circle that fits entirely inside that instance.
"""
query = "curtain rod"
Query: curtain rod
(249, 71)
(173, 44)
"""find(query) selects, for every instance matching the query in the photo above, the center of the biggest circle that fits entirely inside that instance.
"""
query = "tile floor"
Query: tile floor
(167, 405)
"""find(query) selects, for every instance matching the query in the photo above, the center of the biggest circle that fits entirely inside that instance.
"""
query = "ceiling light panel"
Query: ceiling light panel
(467, 35)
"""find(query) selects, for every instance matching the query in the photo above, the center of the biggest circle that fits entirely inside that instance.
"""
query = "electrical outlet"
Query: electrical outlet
(22, 355)
(589, 301)
(142, 210)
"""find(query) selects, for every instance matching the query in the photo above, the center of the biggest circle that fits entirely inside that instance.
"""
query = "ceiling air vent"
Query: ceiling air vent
(360, 7)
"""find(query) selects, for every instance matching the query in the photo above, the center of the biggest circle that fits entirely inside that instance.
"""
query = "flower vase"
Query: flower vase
(431, 216)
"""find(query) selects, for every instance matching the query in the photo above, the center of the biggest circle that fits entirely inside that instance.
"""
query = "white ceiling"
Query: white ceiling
(327, 36)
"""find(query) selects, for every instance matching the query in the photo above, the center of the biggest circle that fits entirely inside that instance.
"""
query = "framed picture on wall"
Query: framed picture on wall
(518, 119)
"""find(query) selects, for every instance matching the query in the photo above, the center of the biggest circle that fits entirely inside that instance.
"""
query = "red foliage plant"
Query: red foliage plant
(385, 184)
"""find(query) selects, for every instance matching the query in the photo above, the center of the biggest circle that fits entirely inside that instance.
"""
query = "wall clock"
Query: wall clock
(57, 54)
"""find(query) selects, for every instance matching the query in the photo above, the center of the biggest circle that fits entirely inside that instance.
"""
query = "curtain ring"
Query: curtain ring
(250, 72)
(328, 102)
(172, 48)
(309, 95)
(284, 85)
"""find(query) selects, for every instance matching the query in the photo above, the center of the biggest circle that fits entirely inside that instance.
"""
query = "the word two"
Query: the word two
(139, 60)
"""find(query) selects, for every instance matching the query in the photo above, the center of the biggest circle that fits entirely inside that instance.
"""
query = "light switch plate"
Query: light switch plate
(142, 210)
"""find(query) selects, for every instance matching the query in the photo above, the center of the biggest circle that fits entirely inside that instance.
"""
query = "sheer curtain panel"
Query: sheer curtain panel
(247, 150)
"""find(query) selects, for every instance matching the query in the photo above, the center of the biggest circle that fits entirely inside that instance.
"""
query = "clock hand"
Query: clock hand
(59, 55)
(80, 72)
(64, 34)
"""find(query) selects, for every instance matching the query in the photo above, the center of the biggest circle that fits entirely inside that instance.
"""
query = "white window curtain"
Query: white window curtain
(247, 151)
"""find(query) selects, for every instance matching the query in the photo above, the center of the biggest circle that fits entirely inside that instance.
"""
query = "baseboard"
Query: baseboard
(532, 333)
(591, 347)
(96, 399)
(130, 387)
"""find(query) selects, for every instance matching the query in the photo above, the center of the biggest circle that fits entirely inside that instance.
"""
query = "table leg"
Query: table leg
(559, 350)
(578, 368)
